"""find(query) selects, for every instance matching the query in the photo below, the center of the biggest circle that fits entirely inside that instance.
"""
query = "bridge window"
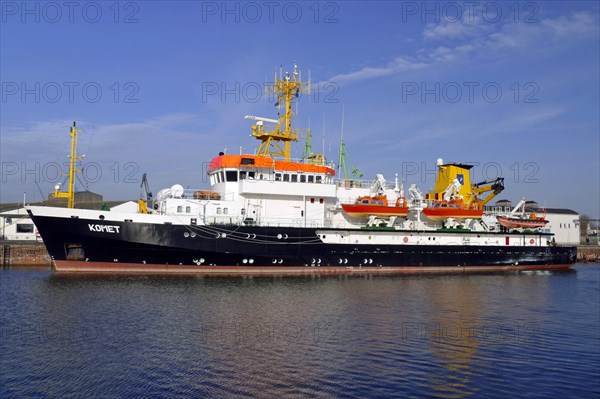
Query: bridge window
(231, 175)
(242, 174)
(311, 179)
(294, 177)
(302, 178)
(286, 177)
(277, 176)
(319, 179)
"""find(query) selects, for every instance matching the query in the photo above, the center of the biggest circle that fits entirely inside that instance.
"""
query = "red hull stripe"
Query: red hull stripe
(136, 268)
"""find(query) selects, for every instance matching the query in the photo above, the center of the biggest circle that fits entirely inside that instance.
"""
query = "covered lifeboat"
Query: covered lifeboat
(377, 205)
(455, 209)
(522, 223)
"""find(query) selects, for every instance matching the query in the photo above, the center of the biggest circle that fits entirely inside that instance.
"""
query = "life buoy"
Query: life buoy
(531, 241)
(405, 239)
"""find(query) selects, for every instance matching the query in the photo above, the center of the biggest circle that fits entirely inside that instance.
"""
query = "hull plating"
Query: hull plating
(85, 245)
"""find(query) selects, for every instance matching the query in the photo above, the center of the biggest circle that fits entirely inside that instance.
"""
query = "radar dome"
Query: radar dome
(177, 191)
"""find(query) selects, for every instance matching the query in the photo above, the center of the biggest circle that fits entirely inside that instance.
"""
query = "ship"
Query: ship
(266, 213)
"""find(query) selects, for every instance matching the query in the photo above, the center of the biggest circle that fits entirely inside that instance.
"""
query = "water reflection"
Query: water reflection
(330, 336)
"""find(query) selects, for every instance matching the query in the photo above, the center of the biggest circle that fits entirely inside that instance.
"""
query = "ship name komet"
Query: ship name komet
(104, 228)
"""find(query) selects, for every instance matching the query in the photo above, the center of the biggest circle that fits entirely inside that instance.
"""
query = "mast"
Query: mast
(70, 193)
(356, 173)
(277, 142)
(342, 160)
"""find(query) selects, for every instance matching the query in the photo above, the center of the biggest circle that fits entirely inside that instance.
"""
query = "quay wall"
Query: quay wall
(588, 253)
(24, 254)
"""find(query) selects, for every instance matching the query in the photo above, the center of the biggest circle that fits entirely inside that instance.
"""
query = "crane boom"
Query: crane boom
(496, 186)
(147, 195)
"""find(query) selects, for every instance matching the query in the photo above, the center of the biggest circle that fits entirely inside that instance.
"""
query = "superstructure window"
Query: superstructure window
(247, 161)
(277, 176)
(294, 178)
(188, 209)
(302, 178)
(286, 177)
(318, 179)
(242, 174)
(231, 175)
(179, 209)
(311, 179)
(252, 175)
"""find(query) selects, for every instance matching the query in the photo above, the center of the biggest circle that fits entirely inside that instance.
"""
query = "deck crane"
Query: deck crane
(452, 190)
(520, 206)
(146, 197)
(378, 186)
(496, 186)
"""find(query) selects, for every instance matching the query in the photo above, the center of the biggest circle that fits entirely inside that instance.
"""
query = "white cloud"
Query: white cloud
(480, 39)
(449, 29)
(576, 26)
(399, 64)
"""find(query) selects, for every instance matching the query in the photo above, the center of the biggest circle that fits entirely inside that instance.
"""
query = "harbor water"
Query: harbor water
(521, 334)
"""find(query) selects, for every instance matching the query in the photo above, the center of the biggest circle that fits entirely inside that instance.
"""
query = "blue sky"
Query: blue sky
(161, 87)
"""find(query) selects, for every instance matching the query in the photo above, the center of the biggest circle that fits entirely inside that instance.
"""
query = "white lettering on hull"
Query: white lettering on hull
(102, 228)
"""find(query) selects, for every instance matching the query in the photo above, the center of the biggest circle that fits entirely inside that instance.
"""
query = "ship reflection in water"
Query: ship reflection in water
(446, 336)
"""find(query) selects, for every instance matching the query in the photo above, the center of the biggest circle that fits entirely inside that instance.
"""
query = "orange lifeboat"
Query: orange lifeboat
(456, 209)
(375, 206)
(532, 222)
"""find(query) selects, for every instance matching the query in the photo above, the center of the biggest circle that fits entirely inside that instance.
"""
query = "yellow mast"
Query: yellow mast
(286, 88)
(70, 193)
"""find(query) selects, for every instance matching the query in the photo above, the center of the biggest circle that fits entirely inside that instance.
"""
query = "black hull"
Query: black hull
(84, 245)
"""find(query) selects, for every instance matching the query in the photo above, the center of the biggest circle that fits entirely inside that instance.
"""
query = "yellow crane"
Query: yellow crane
(496, 186)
